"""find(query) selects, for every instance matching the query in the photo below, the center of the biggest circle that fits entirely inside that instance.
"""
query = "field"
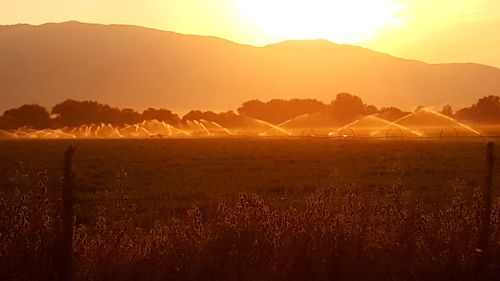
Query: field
(321, 207)
(198, 170)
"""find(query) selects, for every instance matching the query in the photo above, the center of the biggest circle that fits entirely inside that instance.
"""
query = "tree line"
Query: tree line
(344, 108)
(71, 113)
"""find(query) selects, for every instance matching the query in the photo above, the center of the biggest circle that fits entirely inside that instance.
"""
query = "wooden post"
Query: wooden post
(484, 230)
(67, 215)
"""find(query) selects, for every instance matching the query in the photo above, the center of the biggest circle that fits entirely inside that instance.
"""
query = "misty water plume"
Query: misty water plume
(424, 122)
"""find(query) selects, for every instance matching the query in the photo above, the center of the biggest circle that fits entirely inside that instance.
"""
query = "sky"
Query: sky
(434, 31)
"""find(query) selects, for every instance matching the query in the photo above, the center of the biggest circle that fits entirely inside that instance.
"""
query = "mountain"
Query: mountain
(130, 66)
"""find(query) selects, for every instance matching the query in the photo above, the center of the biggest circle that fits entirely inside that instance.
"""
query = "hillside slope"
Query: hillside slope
(129, 66)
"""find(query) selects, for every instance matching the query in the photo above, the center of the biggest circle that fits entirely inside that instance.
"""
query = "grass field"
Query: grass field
(198, 169)
(202, 172)
(403, 209)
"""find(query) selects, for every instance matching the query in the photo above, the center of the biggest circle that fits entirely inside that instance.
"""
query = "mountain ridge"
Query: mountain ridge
(138, 67)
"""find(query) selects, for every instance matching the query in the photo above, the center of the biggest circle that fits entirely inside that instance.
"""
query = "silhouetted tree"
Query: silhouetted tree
(486, 110)
(77, 113)
(226, 119)
(277, 111)
(230, 119)
(347, 107)
(161, 115)
(33, 116)
(129, 116)
(370, 109)
(198, 115)
(391, 113)
(447, 110)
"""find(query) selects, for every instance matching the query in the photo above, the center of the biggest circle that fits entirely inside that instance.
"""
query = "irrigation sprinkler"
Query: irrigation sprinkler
(347, 133)
(387, 133)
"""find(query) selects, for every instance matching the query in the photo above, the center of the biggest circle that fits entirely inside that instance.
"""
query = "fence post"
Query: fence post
(484, 230)
(67, 215)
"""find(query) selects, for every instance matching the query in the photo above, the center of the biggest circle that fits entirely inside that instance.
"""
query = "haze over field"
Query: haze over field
(136, 67)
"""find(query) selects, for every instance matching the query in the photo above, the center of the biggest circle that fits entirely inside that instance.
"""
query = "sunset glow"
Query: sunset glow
(282, 140)
(339, 21)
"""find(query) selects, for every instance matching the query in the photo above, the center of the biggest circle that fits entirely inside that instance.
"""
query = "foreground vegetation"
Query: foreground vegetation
(338, 235)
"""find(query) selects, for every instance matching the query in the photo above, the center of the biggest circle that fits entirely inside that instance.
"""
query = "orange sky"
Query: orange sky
(429, 30)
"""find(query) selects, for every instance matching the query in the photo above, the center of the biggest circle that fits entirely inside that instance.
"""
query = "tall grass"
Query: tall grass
(28, 225)
(338, 234)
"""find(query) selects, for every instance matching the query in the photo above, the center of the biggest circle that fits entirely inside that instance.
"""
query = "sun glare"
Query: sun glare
(342, 21)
